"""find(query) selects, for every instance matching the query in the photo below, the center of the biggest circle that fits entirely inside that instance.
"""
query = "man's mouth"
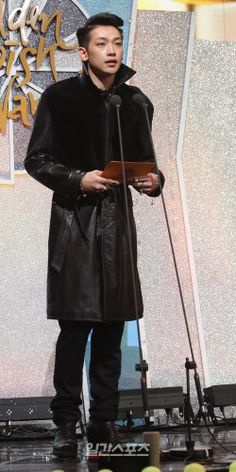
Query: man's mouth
(111, 62)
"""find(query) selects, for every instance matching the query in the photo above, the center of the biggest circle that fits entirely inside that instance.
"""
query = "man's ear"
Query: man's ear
(83, 53)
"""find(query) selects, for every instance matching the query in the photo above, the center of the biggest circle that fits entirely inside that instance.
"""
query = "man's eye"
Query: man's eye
(100, 44)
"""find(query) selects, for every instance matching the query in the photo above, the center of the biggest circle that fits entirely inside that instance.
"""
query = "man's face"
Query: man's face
(104, 51)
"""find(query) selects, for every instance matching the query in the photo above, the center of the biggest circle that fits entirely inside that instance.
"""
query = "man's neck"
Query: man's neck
(103, 83)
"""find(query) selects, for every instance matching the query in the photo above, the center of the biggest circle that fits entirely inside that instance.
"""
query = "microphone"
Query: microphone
(140, 100)
(116, 101)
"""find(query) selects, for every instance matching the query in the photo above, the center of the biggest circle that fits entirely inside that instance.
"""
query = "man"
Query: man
(89, 277)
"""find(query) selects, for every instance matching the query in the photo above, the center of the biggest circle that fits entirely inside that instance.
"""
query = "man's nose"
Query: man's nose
(111, 49)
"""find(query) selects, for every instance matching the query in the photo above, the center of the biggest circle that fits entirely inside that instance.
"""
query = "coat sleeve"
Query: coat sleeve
(159, 188)
(40, 160)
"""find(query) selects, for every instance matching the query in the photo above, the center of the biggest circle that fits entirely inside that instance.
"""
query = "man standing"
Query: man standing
(89, 278)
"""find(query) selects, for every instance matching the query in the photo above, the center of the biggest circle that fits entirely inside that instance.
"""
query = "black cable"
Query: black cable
(25, 432)
(217, 441)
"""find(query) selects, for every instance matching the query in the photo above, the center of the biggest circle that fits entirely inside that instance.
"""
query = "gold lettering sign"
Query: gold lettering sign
(2, 10)
(20, 20)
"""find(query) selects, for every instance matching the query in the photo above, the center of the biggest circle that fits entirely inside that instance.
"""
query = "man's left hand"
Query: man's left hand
(147, 184)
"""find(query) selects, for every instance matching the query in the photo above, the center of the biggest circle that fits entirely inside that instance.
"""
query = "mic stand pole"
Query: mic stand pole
(189, 442)
(143, 366)
(140, 100)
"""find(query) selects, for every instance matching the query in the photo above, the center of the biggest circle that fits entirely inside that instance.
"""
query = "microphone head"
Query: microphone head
(139, 100)
(116, 101)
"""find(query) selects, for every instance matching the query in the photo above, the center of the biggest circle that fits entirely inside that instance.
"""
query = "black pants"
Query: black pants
(104, 371)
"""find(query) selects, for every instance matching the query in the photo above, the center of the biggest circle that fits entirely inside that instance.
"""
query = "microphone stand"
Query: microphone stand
(143, 366)
(140, 100)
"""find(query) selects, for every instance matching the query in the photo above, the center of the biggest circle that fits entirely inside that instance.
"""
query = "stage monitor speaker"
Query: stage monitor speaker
(158, 398)
(28, 408)
(220, 395)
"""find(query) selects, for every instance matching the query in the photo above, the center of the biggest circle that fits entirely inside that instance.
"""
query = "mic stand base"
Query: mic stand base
(142, 367)
(197, 454)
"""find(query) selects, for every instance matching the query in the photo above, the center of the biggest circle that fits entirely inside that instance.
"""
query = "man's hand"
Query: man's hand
(92, 182)
(147, 184)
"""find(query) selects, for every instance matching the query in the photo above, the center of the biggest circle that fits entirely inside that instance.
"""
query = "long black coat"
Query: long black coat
(89, 272)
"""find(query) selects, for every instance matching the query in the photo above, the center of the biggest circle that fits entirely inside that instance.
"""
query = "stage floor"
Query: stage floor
(24, 455)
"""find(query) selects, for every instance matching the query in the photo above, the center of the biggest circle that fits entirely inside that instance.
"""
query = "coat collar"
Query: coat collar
(124, 73)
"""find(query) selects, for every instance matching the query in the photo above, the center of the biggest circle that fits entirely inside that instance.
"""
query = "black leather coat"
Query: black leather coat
(89, 275)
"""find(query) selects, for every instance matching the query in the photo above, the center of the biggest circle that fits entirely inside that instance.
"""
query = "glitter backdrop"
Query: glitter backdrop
(209, 162)
(5, 157)
(27, 338)
(159, 56)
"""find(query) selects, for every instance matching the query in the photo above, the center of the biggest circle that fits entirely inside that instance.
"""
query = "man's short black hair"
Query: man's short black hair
(100, 19)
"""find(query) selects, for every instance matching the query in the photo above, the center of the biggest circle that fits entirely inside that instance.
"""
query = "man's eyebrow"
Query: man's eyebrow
(106, 39)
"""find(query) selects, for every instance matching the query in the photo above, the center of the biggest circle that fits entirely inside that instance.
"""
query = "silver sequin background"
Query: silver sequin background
(209, 163)
(160, 54)
(27, 338)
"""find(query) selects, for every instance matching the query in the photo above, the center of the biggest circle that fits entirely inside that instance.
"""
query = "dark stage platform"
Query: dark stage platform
(24, 455)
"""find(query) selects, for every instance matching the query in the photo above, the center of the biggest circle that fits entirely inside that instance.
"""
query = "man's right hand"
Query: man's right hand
(92, 182)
